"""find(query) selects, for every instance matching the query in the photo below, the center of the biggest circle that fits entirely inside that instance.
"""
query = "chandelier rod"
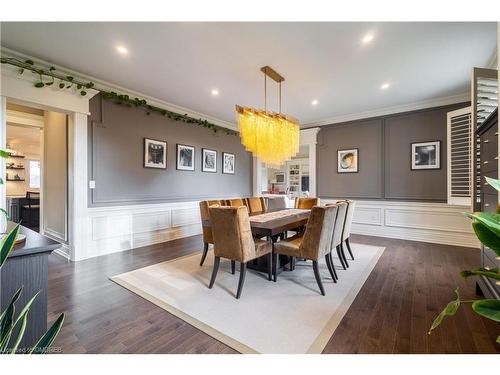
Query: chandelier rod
(265, 92)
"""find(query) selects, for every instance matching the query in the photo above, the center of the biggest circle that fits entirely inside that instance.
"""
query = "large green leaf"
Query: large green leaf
(7, 244)
(46, 340)
(23, 318)
(4, 154)
(450, 309)
(493, 183)
(5, 212)
(489, 219)
(492, 273)
(489, 308)
(486, 236)
(7, 321)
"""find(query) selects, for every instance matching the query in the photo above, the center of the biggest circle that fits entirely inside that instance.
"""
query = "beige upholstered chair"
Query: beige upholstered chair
(207, 231)
(314, 244)
(337, 233)
(306, 203)
(277, 202)
(237, 202)
(233, 240)
(256, 205)
(346, 233)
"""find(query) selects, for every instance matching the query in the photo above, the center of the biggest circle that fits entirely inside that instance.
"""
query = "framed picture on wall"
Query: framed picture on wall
(347, 161)
(208, 160)
(155, 154)
(185, 157)
(228, 161)
(426, 155)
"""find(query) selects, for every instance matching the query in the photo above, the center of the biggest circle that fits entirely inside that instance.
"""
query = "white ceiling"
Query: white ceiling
(182, 62)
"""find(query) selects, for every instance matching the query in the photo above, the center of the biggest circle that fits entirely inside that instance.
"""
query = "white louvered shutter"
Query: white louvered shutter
(460, 157)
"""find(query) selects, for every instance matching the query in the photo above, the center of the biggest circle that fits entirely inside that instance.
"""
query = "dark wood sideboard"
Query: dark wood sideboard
(487, 136)
(27, 265)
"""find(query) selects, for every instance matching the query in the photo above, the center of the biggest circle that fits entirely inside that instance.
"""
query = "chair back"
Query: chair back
(256, 205)
(318, 234)
(232, 233)
(237, 202)
(205, 215)
(339, 224)
(306, 203)
(275, 203)
(33, 198)
(346, 233)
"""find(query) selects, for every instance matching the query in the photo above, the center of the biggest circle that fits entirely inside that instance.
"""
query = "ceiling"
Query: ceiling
(181, 63)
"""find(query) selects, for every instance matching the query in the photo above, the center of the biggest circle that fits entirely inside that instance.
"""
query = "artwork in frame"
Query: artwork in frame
(348, 161)
(208, 160)
(228, 163)
(185, 157)
(426, 155)
(155, 153)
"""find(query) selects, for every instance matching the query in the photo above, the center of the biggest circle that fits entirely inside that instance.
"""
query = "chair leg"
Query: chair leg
(214, 272)
(349, 248)
(275, 266)
(333, 265)
(340, 257)
(205, 251)
(342, 252)
(269, 266)
(318, 277)
(243, 271)
(233, 267)
(329, 265)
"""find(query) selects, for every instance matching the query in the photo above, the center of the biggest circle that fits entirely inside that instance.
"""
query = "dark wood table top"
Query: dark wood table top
(276, 226)
(35, 243)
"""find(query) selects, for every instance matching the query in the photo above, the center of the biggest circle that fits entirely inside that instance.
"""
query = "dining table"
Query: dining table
(274, 224)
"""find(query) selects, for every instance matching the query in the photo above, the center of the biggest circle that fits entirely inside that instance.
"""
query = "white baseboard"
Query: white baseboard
(426, 222)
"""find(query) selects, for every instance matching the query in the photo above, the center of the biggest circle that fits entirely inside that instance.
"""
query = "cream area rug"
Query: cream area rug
(289, 316)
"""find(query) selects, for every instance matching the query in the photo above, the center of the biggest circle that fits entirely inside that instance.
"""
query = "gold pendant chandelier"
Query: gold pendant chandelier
(272, 137)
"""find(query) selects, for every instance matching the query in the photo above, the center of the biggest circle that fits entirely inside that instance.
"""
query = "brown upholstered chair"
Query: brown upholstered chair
(337, 233)
(256, 205)
(346, 233)
(207, 231)
(237, 202)
(314, 244)
(306, 203)
(233, 240)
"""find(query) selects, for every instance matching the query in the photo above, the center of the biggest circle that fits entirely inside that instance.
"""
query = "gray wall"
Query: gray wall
(116, 149)
(384, 145)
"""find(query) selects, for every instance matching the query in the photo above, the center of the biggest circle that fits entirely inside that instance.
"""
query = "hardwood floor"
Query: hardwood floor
(391, 314)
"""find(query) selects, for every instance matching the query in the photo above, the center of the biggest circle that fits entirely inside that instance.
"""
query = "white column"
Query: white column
(256, 177)
(308, 137)
(3, 142)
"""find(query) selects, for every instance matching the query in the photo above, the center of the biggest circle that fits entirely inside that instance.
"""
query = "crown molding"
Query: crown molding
(437, 102)
(7, 52)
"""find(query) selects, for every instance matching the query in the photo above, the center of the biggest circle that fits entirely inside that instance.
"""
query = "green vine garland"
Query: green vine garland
(47, 77)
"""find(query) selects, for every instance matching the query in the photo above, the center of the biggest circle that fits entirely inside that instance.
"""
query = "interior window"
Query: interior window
(34, 170)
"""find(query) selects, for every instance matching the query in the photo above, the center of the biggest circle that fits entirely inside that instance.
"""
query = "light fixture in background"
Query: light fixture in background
(368, 38)
(270, 136)
(315, 102)
(215, 92)
(385, 85)
(122, 50)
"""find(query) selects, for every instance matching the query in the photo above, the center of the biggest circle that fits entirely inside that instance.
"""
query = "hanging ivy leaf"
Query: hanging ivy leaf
(83, 93)
(79, 87)
(89, 85)
(49, 83)
(61, 85)
(21, 71)
(69, 78)
(39, 84)
(30, 62)
(52, 68)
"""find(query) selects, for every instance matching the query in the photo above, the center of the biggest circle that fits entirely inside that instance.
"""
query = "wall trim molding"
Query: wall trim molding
(393, 110)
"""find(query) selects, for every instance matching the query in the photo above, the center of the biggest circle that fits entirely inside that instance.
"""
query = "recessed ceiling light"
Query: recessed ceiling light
(368, 38)
(215, 92)
(315, 102)
(122, 50)
(385, 85)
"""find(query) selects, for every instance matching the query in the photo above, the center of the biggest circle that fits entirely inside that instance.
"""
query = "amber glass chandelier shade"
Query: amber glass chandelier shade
(272, 137)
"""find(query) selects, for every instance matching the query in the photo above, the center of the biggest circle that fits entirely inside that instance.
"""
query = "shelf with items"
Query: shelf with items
(15, 179)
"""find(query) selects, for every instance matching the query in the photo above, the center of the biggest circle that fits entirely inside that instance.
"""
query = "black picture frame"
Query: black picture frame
(179, 148)
(203, 169)
(356, 150)
(224, 164)
(146, 150)
(413, 145)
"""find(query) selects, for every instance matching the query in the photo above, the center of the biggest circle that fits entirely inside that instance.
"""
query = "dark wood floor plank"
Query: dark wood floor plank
(392, 312)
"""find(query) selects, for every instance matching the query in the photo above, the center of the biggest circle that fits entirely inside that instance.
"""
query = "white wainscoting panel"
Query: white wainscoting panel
(427, 222)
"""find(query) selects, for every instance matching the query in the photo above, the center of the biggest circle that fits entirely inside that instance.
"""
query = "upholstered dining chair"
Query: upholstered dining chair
(346, 233)
(237, 202)
(233, 240)
(277, 202)
(337, 233)
(306, 203)
(207, 231)
(314, 244)
(256, 205)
